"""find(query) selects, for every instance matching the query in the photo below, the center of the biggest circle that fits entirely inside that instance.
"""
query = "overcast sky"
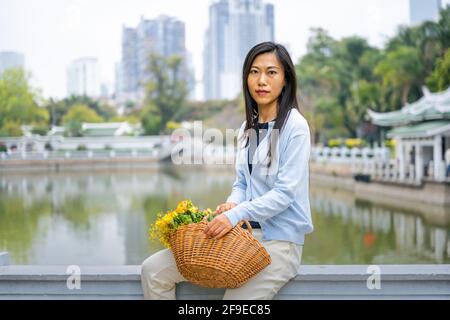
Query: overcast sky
(52, 33)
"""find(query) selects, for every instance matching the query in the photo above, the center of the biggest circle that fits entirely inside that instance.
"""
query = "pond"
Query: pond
(102, 218)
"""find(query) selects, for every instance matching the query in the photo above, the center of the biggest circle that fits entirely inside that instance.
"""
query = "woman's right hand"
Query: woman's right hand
(225, 207)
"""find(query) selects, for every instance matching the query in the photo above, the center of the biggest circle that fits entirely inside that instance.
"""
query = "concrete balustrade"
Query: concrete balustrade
(312, 282)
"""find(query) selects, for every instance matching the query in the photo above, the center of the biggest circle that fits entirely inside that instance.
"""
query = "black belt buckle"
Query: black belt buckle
(253, 224)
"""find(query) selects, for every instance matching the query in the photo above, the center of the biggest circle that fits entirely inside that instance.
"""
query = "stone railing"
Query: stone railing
(312, 282)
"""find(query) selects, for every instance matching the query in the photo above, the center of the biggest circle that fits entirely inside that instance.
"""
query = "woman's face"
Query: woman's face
(266, 79)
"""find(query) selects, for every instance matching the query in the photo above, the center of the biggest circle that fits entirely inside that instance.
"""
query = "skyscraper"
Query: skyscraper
(164, 36)
(10, 59)
(83, 78)
(234, 27)
(424, 10)
(129, 72)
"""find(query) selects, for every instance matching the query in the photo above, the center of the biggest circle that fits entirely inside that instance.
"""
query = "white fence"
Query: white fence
(375, 162)
(354, 156)
(194, 153)
(75, 154)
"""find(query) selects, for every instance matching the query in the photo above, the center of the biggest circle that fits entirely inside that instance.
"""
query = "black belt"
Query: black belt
(253, 224)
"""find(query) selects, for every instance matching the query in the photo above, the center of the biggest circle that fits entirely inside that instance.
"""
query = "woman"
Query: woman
(272, 184)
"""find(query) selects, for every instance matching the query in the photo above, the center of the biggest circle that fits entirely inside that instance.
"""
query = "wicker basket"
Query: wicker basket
(227, 262)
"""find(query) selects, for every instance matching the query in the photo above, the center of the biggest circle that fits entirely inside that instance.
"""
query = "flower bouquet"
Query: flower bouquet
(227, 262)
(184, 214)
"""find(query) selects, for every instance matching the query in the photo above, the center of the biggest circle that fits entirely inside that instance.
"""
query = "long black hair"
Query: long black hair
(288, 97)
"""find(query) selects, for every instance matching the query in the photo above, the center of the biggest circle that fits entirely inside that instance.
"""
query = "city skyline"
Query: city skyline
(164, 36)
(234, 28)
(75, 28)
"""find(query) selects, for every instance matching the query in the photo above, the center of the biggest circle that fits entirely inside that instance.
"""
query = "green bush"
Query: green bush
(40, 130)
(11, 129)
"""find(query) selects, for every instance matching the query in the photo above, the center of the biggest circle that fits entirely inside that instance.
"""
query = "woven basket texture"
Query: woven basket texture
(228, 262)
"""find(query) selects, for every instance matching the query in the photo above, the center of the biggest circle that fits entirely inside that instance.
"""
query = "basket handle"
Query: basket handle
(249, 227)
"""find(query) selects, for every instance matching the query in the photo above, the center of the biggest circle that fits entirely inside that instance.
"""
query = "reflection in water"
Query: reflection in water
(102, 219)
(352, 231)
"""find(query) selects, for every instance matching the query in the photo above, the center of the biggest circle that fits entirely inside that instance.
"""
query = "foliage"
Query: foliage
(334, 79)
(166, 92)
(339, 79)
(333, 143)
(200, 110)
(59, 109)
(76, 116)
(389, 143)
(172, 125)
(18, 103)
(81, 147)
(151, 120)
(354, 143)
(11, 129)
(131, 119)
(40, 130)
(439, 80)
(399, 69)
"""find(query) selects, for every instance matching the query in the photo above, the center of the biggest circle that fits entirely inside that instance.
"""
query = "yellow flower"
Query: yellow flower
(165, 225)
(183, 206)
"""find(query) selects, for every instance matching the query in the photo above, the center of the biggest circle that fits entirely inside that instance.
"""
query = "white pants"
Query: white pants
(160, 275)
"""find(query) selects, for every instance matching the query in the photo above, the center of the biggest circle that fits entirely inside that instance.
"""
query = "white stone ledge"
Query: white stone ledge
(313, 282)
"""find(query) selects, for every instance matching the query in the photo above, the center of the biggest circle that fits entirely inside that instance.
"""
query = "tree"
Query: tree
(329, 76)
(58, 109)
(165, 91)
(339, 79)
(439, 80)
(320, 43)
(11, 129)
(431, 40)
(18, 103)
(151, 120)
(425, 38)
(400, 68)
(76, 116)
(444, 28)
(102, 109)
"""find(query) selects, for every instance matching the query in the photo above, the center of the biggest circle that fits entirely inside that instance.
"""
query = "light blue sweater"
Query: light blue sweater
(276, 196)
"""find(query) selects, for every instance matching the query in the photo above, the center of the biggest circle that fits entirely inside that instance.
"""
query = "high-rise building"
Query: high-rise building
(83, 78)
(164, 36)
(234, 28)
(192, 81)
(130, 64)
(424, 10)
(118, 78)
(10, 59)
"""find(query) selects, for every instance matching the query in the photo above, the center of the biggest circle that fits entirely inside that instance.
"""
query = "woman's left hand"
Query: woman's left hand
(218, 227)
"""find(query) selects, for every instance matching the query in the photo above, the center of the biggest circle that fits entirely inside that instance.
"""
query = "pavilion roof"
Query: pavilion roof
(432, 106)
(424, 129)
